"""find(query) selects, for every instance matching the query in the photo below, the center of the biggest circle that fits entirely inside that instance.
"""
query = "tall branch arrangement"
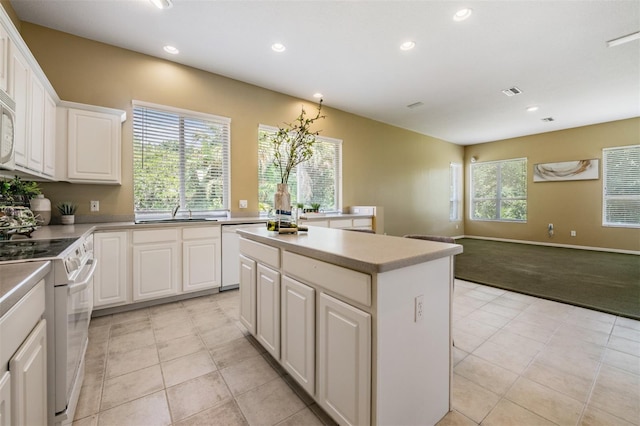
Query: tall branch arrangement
(293, 144)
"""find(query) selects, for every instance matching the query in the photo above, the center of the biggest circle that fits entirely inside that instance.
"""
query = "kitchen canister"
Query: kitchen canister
(41, 208)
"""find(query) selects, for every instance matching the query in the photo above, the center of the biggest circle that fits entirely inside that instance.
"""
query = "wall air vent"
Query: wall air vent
(512, 91)
(415, 105)
(548, 119)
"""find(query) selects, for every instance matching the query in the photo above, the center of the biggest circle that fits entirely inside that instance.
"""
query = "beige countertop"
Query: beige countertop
(16, 279)
(369, 253)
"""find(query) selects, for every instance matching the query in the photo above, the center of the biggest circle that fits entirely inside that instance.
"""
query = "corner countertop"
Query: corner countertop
(16, 279)
(368, 253)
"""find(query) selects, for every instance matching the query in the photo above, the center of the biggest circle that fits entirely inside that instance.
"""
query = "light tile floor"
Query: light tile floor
(518, 360)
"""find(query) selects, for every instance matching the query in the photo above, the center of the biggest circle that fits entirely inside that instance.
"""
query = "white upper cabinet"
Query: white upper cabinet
(35, 134)
(19, 82)
(93, 145)
(49, 168)
(4, 59)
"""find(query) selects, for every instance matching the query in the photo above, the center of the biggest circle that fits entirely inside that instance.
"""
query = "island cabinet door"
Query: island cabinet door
(298, 332)
(248, 293)
(268, 309)
(344, 361)
(5, 399)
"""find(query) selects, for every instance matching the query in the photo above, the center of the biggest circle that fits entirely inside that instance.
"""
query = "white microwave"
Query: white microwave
(7, 139)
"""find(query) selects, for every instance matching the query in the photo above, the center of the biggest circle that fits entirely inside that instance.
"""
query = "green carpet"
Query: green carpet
(608, 282)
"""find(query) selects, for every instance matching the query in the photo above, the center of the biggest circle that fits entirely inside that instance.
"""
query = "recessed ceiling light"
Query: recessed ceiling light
(278, 47)
(532, 108)
(171, 49)
(408, 45)
(462, 14)
(624, 39)
(317, 95)
(162, 4)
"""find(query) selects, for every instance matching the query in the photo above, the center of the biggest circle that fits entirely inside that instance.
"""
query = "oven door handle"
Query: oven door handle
(76, 287)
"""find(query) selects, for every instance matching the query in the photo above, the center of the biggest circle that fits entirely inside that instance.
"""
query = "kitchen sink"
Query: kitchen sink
(177, 220)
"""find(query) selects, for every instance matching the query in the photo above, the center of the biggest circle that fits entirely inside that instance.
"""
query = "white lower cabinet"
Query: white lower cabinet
(201, 258)
(28, 369)
(248, 293)
(155, 263)
(268, 309)
(110, 278)
(344, 361)
(298, 337)
(5, 399)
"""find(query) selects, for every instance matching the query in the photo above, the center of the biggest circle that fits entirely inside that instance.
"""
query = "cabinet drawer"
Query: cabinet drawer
(345, 282)
(16, 324)
(260, 252)
(200, 232)
(340, 223)
(362, 223)
(155, 236)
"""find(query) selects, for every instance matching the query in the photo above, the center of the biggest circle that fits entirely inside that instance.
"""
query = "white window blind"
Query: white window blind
(318, 180)
(499, 190)
(621, 186)
(181, 158)
(455, 192)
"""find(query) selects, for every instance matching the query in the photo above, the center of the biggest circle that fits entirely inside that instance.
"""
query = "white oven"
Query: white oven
(7, 117)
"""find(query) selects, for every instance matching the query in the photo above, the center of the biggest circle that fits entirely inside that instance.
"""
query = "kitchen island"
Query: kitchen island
(361, 321)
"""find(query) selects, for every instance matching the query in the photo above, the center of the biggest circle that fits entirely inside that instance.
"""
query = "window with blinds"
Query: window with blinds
(499, 190)
(621, 186)
(180, 157)
(455, 192)
(318, 180)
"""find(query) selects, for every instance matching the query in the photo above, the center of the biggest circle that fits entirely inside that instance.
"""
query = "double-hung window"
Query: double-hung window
(180, 158)
(621, 186)
(315, 181)
(499, 190)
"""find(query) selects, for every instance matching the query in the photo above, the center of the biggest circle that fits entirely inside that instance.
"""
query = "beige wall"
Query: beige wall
(404, 172)
(569, 205)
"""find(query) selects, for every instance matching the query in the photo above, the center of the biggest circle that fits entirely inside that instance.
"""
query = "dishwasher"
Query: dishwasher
(231, 253)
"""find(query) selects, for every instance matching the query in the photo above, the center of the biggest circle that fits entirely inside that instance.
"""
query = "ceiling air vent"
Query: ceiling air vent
(512, 91)
(415, 105)
(548, 119)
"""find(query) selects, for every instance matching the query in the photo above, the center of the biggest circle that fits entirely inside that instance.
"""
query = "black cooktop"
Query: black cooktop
(33, 249)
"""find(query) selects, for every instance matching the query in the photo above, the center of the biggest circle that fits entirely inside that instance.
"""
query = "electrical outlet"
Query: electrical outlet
(419, 308)
(95, 206)
(550, 229)
(573, 233)
(243, 204)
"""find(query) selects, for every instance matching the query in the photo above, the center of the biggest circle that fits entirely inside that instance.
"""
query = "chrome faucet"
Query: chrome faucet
(175, 210)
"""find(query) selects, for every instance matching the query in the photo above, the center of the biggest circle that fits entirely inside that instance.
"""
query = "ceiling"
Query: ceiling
(555, 52)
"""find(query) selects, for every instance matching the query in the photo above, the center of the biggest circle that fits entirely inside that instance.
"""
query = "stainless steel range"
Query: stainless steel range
(69, 301)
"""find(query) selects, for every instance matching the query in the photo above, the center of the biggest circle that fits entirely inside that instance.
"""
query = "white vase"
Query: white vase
(41, 208)
(68, 219)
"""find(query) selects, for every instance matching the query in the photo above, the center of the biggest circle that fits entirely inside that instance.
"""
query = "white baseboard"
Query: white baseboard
(538, 243)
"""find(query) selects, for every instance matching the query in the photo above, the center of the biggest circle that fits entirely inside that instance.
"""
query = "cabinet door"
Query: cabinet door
(155, 270)
(49, 136)
(93, 147)
(268, 309)
(35, 136)
(110, 278)
(344, 361)
(29, 379)
(200, 264)
(298, 332)
(248, 293)
(5, 399)
(19, 82)
(4, 60)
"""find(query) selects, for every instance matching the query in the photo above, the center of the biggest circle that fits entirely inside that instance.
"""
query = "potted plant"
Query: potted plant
(67, 211)
(292, 145)
(18, 192)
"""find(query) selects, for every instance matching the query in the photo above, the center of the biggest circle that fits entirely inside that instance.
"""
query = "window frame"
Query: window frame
(499, 199)
(605, 197)
(225, 160)
(456, 192)
(338, 178)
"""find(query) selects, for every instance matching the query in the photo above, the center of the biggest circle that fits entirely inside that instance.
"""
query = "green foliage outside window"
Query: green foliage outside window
(499, 190)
